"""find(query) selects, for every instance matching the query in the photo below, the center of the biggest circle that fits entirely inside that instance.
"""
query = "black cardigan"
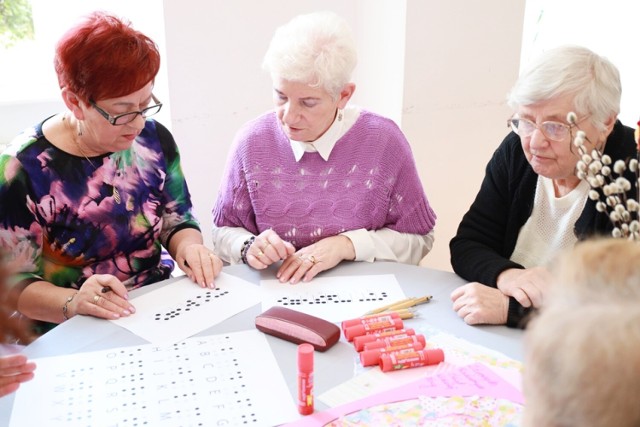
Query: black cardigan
(488, 232)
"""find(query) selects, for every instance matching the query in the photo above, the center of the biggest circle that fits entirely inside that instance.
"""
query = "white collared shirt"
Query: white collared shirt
(328, 140)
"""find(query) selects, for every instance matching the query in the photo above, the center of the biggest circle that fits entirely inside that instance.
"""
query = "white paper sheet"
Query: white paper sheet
(227, 379)
(182, 308)
(333, 298)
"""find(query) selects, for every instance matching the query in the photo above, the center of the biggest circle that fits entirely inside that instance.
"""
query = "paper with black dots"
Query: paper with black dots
(181, 309)
(229, 379)
(333, 298)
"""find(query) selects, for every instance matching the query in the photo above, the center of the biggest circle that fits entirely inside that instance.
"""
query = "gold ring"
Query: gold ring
(259, 254)
(96, 298)
(312, 259)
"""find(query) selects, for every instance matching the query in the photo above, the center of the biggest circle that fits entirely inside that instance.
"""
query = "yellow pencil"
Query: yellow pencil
(405, 303)
(385, 307)
(411, 302)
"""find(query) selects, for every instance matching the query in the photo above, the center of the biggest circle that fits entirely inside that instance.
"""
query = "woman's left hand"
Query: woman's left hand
(479, 304)
(199, 264)
(322, 255)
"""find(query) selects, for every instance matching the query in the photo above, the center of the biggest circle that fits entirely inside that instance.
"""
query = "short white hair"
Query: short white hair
(581, 366)
(317, 49)
(592, 79)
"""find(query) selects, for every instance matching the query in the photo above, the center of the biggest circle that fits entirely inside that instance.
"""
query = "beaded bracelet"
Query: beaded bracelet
(65, 307)
(245, 248)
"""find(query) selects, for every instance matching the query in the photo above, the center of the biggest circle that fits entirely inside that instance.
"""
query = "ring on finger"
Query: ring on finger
(260, 253)
(96, 298)
(312, 259)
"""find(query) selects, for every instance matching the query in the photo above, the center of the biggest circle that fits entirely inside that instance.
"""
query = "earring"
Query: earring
(79, 128)
(339, 115)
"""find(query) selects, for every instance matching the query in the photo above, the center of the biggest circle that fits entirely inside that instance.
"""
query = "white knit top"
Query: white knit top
(549, 229)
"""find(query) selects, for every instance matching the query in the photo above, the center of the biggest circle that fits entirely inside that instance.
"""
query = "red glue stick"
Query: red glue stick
(395, 340)
(359, 342)
(372, 318)
(305, 379)
(395, 361)
(387, 325)
(372, 357)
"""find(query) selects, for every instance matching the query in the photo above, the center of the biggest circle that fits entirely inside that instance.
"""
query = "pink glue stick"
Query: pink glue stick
(395, 361)
(305, 379)
(395, 340)
(372, 318)
(372, 357)
(359, 342)
(387, 325)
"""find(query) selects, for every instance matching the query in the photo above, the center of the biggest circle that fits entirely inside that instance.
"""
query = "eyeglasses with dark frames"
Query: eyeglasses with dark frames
(123, 119)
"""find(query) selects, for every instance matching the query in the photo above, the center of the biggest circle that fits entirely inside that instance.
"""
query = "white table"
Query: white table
(333, 367)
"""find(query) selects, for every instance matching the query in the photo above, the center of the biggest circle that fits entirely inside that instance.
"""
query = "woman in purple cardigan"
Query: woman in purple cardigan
(315, 182)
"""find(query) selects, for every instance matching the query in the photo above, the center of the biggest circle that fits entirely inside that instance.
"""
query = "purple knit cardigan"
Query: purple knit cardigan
(370, 181)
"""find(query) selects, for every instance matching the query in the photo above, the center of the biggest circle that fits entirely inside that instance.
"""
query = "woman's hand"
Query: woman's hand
(199, 264)
(268, 248)
(528, 286)
(101, 295)
(322, 255)
(14, 370)
(480, 304)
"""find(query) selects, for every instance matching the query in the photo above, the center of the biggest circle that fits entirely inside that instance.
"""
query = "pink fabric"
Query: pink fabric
(370, 181)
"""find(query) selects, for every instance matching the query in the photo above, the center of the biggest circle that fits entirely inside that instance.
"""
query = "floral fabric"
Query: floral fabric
(65, 218)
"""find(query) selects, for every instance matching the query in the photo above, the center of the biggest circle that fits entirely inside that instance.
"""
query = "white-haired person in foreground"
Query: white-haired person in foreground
(581, 366)
(315, 181)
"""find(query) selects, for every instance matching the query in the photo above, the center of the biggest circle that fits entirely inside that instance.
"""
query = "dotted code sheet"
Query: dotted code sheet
(230, 379)
(333, 298)
(181, 309)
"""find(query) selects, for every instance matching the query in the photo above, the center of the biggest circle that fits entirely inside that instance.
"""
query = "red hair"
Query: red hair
(103, 57)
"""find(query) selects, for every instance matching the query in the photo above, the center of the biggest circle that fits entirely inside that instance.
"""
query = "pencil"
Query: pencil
(385, 307)
(398, 305)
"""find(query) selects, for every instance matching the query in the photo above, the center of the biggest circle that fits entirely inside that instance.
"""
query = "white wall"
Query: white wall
(462, 58)
(609, 28)
(440, 68)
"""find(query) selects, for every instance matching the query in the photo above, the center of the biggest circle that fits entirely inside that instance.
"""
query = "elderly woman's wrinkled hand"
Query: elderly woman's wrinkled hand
(14, 370)
(308, 262)
(528, 286)
(101, 295)
(479, 304)
(200, 264)
(267, 248)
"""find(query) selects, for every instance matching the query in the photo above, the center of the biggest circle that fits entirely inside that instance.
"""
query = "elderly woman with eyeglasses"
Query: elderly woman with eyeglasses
(317, 182)
(531, 205)
(89, 197)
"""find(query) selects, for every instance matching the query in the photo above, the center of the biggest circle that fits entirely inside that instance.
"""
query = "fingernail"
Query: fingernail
(115, 315)
(126, 296)
(126, 312)
(132, 309)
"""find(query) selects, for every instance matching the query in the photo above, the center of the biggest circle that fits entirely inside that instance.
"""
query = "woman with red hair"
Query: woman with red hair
(89, 197)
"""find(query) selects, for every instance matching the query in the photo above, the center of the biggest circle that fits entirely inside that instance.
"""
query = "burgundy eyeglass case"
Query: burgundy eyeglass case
(298, 327)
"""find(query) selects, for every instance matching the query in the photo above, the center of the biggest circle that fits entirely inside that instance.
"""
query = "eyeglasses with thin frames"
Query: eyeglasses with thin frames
(123, 119)
(554, 131)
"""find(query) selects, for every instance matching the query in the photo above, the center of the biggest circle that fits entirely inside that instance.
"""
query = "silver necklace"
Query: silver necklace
(115, 193)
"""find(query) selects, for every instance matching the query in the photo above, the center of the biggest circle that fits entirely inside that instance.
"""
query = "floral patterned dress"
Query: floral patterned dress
(64, 217)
